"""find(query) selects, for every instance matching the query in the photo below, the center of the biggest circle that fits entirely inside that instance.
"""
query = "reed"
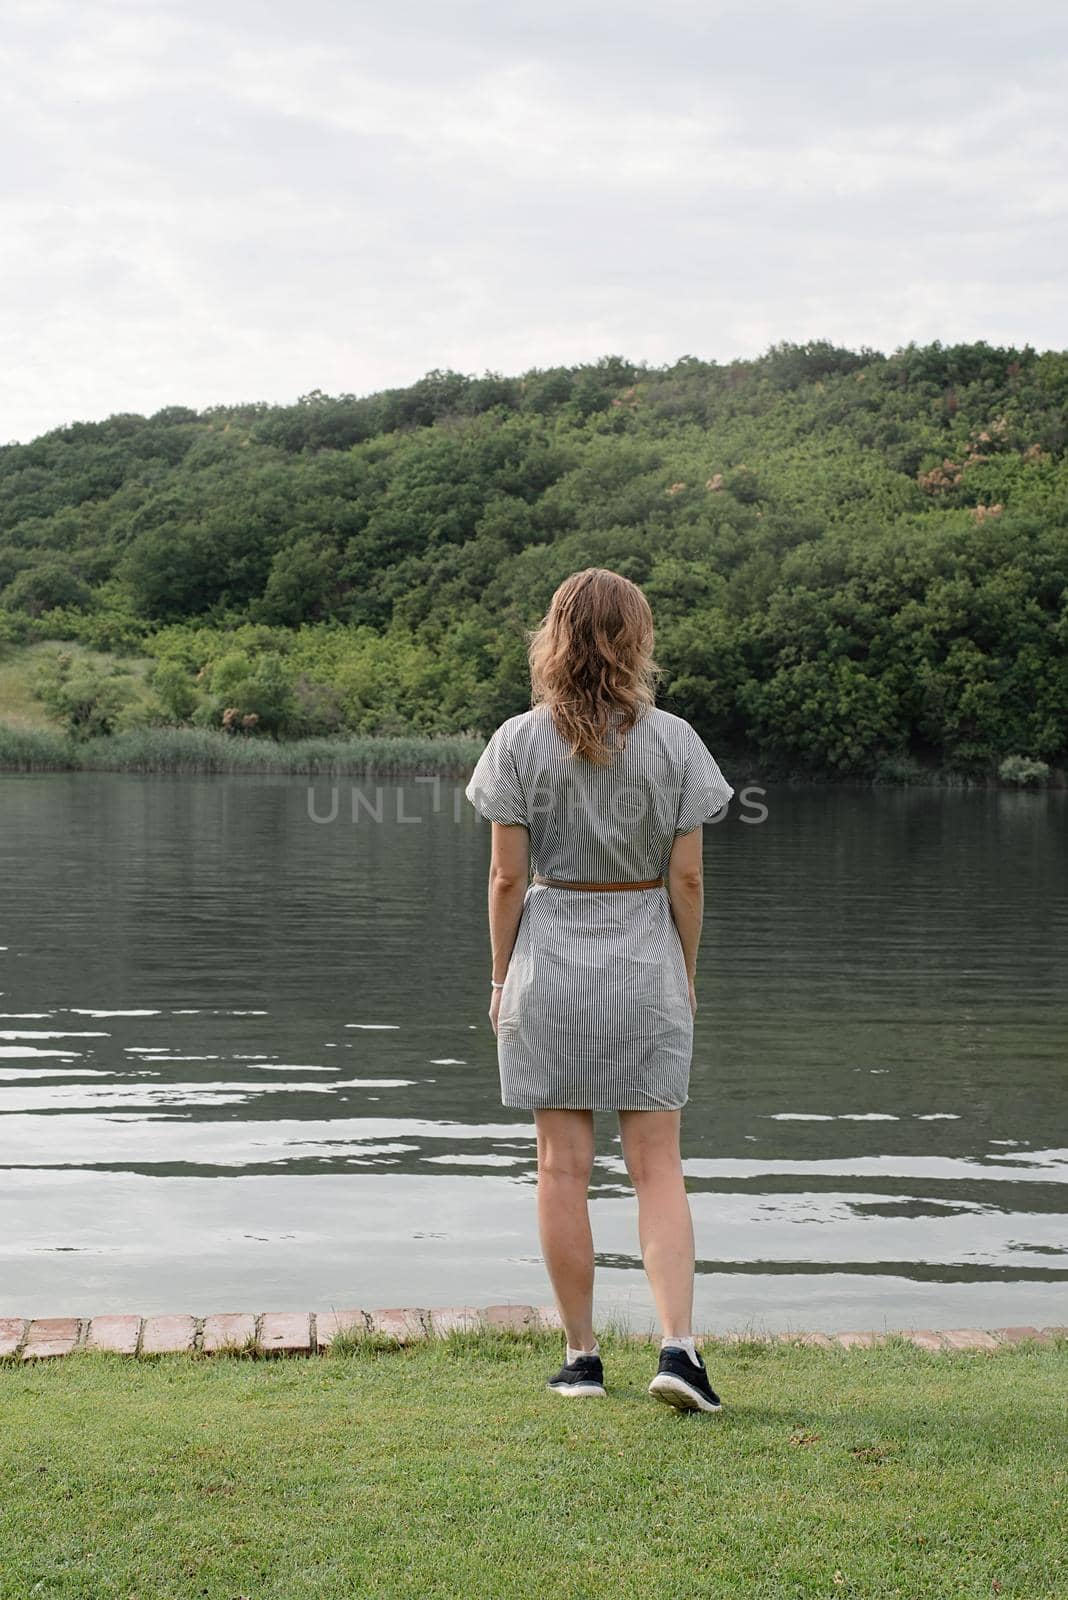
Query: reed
(202, 751)
(35, 750)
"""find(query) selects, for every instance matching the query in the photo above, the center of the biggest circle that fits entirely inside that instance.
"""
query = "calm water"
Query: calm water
(245, 1062)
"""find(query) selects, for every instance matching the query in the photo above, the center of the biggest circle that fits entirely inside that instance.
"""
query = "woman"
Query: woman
(594, 958)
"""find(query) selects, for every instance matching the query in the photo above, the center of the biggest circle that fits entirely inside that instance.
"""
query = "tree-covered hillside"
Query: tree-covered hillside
(857, 562)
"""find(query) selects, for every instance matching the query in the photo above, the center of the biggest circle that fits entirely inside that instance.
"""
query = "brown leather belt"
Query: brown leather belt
(560, 883)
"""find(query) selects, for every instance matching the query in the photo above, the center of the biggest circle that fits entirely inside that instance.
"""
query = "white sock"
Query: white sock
(686, 1344)
(573, 1354)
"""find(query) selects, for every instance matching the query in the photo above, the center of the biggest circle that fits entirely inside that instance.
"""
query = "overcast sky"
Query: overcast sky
(222, 200)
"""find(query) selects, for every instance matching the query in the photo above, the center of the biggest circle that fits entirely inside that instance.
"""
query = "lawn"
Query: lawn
(447, 1469)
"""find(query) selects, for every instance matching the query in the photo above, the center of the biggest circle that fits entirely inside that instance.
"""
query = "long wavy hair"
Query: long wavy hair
(591, 661)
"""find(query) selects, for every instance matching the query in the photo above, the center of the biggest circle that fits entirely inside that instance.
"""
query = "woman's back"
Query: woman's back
(601, 824)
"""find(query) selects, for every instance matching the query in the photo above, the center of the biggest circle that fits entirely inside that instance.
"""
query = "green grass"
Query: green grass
(446, 1469)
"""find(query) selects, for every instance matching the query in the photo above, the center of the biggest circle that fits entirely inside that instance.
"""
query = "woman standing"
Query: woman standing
(594, 957)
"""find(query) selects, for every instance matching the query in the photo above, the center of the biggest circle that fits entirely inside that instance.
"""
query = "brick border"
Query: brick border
(306, 1332)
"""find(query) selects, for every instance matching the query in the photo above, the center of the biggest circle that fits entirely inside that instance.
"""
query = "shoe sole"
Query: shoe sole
(594, 1390)
(678, 1393)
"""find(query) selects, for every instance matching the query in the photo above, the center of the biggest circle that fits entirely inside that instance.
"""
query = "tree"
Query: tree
(175, 690)
(45, 586)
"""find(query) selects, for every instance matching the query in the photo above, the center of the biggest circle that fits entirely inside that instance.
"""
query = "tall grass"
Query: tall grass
(193, 751)
(35, 750)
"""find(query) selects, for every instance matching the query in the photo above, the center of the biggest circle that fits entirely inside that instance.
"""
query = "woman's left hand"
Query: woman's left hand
(495, 1008)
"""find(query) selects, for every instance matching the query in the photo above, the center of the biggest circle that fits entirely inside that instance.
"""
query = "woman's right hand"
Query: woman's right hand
(693, 999)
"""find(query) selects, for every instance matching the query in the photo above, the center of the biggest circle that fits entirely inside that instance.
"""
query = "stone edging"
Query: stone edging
(311, 1332)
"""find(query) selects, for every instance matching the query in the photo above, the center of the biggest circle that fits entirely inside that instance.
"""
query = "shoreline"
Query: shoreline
(209, 752)
(308, 1333)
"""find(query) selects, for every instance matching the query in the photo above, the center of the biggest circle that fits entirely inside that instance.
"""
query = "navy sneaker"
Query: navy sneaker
(583, 1376)
(680, 1383)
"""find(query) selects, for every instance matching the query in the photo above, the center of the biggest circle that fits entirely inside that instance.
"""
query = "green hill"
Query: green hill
(858, 562)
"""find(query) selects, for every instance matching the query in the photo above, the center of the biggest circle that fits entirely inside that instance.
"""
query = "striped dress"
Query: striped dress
(595, 1012)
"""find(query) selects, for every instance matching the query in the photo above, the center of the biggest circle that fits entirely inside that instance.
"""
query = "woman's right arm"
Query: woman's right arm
(686, 891)
(509, 879)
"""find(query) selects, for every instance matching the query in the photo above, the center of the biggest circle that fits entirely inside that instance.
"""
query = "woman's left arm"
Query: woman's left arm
(509, 879)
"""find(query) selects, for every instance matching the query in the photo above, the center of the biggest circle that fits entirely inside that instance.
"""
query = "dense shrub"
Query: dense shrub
(86, 700)
(1023, 770)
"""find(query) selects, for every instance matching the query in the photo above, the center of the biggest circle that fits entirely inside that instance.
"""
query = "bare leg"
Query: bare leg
(665, 1227)
(565, 1163)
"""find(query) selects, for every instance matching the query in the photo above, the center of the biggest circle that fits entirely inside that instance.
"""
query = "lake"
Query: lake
(245, 1061)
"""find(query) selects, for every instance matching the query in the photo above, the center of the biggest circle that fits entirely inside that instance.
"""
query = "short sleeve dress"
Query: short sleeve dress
(595, 1011)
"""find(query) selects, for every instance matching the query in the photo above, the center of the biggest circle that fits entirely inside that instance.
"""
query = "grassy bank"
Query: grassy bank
(446, 1469)
(207, 751)
(33, 741)
(20, 709)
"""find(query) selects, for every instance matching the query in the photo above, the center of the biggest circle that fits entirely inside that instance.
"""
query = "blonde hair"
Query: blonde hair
(590, 657)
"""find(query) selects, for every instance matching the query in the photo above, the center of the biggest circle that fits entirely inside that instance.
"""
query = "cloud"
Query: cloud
(216, 205)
